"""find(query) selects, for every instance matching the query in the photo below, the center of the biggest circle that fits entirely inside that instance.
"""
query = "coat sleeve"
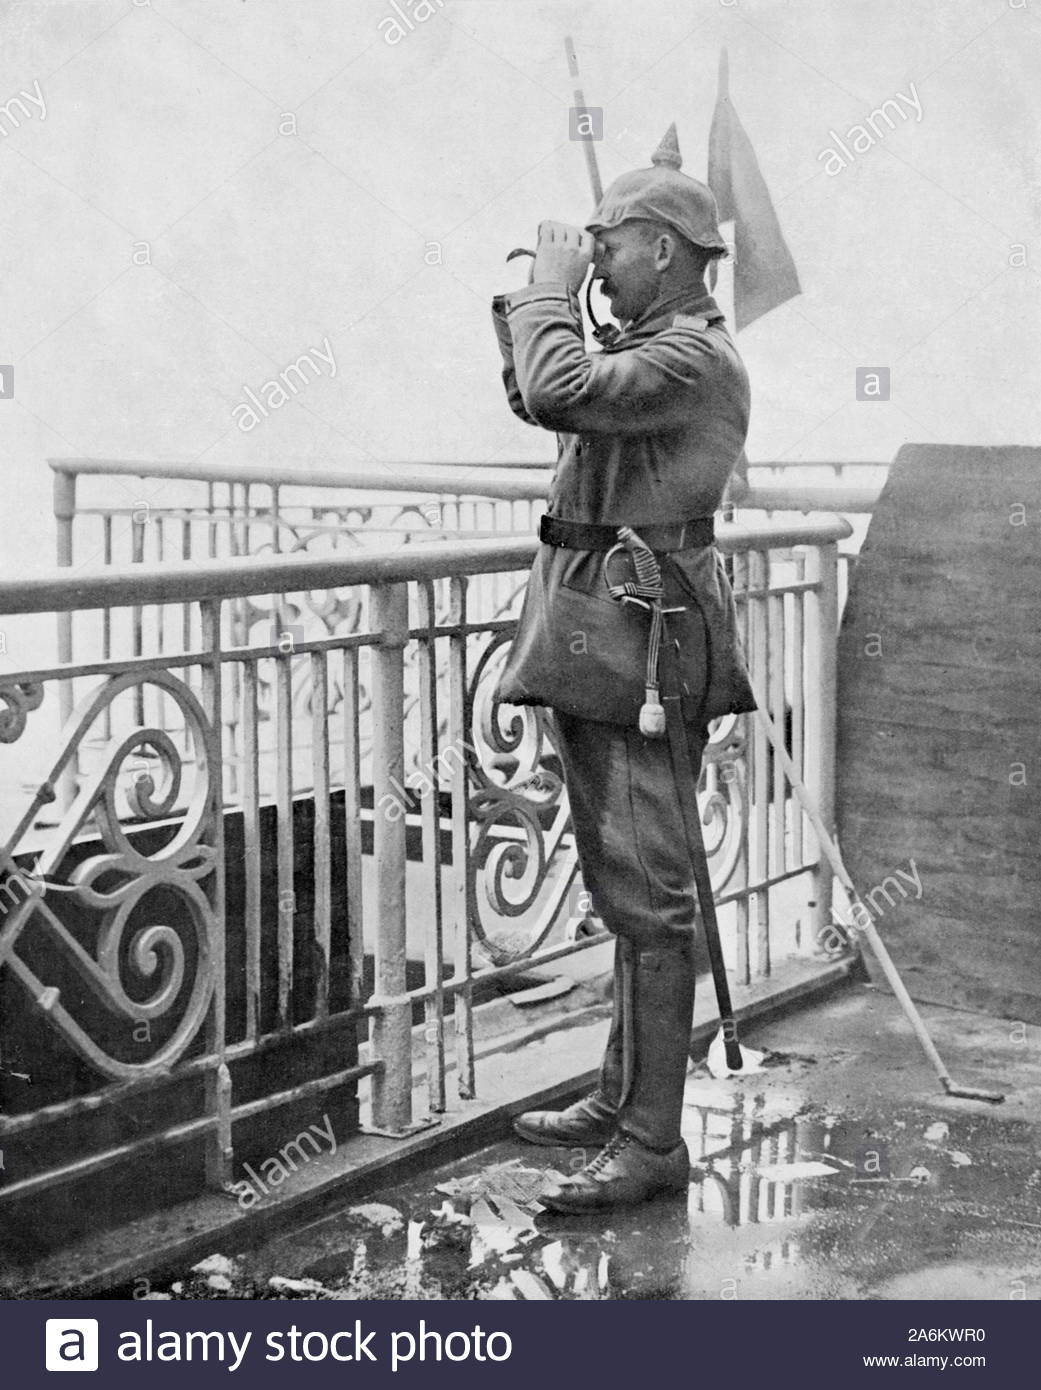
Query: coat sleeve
(640, 390)
(509, 371)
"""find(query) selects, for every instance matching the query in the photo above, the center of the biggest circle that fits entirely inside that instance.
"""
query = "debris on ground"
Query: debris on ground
(446, 1228)
(529, 1285)
(512, 1182)
(751, 1060)
(380, 1214)
(215, 1264)
(779, 1193)
(297, 1288)
(794, 1172)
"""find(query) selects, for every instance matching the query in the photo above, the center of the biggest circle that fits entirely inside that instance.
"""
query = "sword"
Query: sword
(647, 592)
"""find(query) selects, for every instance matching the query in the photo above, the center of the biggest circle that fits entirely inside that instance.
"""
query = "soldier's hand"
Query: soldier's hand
(564, 253)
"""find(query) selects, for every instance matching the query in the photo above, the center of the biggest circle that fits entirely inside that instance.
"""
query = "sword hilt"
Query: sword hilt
(648, 591)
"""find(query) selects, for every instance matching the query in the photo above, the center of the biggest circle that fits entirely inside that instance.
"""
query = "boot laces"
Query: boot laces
(613, 1147)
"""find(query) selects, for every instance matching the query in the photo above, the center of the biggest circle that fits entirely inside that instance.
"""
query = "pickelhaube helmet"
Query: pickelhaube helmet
(662, 194)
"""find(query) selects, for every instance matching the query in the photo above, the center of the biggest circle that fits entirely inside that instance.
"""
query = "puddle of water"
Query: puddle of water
(785, 1201)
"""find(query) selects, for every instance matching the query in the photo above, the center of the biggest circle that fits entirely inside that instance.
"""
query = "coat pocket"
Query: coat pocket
(580, 651)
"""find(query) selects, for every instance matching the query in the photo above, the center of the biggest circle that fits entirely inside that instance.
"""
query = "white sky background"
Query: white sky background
(162, 126)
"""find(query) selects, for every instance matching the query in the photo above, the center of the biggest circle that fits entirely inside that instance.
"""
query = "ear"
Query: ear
(664, 251)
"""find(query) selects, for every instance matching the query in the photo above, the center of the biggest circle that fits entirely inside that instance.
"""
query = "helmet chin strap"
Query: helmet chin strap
(606, 334)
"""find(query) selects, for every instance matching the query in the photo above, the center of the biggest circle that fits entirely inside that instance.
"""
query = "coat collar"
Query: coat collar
(695, 302)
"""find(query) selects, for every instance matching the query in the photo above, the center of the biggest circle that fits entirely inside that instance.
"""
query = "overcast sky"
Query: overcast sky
(203, 190)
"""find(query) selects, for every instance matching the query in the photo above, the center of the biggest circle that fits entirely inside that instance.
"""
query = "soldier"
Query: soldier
(649, 429)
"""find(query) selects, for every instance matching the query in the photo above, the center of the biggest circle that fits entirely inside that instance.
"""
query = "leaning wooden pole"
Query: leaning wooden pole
(865, 926)
(588, 147)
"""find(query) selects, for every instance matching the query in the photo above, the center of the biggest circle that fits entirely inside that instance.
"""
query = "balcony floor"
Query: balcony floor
(840, 1172)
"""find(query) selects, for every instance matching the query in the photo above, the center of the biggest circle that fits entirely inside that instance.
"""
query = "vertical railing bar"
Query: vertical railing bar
(160, 617)
(323, 885)
(776, 663)
(106, 619)
(251, 843)
(352, 826)
(759, 572)
(741, 871)
(284, 834)
(137, 555)
(236, 631)
(798, 657)
(247, 517)
(392, 1024)
(219, 1152)
(211, 504)
(821, 634)
(775, 628)
(186, 610)
(160, 622)
(64, 507)
(459, 914)
(430, 813)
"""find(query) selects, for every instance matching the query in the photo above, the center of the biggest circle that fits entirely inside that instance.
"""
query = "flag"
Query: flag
(764, 272)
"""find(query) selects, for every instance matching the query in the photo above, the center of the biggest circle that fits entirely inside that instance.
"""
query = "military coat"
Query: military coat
(648, 430)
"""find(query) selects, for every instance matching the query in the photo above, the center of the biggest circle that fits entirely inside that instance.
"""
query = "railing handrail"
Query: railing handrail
(525, 483)
(382, 477)
(331, 477)
(800, 497)
(61, 591)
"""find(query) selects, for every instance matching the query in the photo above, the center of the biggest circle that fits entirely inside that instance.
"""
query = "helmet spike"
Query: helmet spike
(662, 194)
(668, 151)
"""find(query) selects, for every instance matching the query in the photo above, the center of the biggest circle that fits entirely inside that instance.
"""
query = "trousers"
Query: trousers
(628, 827)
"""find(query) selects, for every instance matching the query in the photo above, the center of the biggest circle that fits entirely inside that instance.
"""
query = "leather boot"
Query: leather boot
(592, 1119)
(647, 1156)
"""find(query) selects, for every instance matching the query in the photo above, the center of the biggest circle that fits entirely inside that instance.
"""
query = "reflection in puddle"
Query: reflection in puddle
(784, 1202)
(753, 1166)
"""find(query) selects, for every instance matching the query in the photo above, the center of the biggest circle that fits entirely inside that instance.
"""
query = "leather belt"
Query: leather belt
(588, 535)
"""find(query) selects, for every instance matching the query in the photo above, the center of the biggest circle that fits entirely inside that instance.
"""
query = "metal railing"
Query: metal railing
(209, 511)
(448, 876)
(224, 511)
(229, 510)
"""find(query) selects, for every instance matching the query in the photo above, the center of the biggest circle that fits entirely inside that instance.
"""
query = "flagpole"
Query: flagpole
(588, 148)
(716, 280)
(766, 275)
(721, 272)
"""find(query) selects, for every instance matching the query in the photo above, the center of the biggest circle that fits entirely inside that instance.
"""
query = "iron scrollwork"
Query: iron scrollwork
(21, 699)
(140, 972)
(523, 862)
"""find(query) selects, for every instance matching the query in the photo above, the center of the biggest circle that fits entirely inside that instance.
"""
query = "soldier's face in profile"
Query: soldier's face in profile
(625, 264)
